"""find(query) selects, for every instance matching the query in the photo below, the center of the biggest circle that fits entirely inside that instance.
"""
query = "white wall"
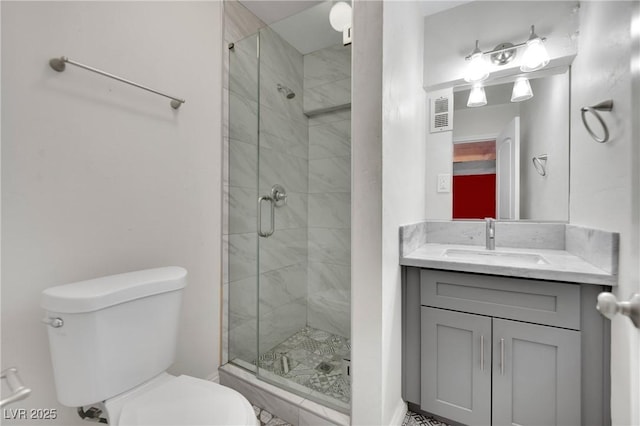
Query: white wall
(390, 186)
(404, 152)
(101, 178)
(604, 177)
(366, 214)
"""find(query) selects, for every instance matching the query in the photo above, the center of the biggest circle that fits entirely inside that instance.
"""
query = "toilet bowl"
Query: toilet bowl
(112, 340)
(183, 400)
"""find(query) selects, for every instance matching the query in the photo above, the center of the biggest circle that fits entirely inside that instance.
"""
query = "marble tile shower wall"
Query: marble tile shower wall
(327, 79)
(327, 82)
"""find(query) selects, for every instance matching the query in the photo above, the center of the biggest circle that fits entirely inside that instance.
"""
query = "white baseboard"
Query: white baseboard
(398, 415)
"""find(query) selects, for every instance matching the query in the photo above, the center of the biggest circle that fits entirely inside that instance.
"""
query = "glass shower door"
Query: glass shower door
(282, 207)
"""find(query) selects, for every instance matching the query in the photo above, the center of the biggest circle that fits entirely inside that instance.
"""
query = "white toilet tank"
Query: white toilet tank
(108, 335)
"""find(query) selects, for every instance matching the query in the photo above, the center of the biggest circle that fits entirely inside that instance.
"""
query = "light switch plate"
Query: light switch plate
(444, 182)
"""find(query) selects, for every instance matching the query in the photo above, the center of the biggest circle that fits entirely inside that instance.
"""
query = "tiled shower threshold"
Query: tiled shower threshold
(311, 362)
(286, 405)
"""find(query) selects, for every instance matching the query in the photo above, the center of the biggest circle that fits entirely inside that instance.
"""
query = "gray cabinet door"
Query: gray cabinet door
(455, 373)
(536, 375)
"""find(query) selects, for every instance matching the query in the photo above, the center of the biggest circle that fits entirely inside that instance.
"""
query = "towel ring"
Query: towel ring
(540, 163)
(602, 106)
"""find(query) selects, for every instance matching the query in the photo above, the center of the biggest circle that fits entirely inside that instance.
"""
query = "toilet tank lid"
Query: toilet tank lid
(99, 293)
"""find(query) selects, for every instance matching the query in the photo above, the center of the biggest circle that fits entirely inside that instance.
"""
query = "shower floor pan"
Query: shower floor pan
(311, 360)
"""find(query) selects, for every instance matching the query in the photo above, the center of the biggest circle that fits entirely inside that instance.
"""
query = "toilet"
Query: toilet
(112, 340)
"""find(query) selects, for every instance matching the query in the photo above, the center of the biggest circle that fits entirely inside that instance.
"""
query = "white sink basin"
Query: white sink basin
(496, 257)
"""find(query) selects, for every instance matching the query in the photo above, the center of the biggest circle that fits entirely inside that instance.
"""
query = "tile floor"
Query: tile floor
(313, 359)
(410, 419)
(415, 419)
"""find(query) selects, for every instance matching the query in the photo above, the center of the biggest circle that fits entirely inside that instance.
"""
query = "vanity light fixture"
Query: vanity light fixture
(478, 68)
(535, 55)
(477, 96)
(340, 19)
(521, 90)
(534, 58)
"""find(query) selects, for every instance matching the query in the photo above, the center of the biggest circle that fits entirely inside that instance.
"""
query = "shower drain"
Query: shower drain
(324, 367)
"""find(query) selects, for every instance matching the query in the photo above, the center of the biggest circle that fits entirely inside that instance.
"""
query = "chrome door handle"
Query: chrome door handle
(279, 195)
(270, 232)
(609, 306)
(502, 357)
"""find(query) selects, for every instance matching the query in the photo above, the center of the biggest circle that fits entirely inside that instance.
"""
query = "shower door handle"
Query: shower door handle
(270, 232)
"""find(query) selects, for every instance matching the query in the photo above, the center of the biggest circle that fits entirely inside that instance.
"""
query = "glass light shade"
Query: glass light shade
(477, 97)
(535, 56)
(340, 16)
(521, 90)
(477, 70)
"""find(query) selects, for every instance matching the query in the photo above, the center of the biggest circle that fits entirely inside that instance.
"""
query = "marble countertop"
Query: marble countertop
(562, 266)
(571, 253)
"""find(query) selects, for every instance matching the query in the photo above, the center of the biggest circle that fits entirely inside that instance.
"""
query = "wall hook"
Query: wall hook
(540, 163)
(602, 106)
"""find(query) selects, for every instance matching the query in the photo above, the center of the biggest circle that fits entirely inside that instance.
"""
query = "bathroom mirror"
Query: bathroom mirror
(531, 183)
(528, 177)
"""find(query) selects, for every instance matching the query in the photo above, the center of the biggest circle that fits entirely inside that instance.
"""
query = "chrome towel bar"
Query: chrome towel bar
(59, 64)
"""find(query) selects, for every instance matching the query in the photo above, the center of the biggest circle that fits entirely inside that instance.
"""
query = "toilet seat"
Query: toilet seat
(186, 400)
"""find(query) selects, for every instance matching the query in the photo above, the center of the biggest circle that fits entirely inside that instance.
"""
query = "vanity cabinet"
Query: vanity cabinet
(492, 350)
(531, 372)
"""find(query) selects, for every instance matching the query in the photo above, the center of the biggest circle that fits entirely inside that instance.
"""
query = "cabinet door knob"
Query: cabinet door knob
(609, 306)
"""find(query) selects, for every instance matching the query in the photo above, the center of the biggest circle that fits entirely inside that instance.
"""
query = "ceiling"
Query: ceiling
(305, 23)
(270, 11)
(430, 7)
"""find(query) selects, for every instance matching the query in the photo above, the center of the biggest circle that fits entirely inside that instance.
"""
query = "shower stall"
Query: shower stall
(287, 303)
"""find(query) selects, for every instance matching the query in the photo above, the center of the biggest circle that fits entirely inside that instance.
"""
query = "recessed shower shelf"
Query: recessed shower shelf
(314, 112)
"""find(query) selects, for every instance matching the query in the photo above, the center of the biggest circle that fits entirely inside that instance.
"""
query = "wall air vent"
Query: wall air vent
(441, 114)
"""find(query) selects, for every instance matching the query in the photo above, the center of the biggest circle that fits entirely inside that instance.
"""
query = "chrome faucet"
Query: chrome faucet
(490, 233)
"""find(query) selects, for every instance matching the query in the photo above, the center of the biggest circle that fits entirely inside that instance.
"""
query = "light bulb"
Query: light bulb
(478, 68)
(340, 16)
(521, 90)
(535, 55)
(477, 97)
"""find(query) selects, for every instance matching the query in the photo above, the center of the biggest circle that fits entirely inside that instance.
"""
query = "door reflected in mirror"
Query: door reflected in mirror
(494, 172)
